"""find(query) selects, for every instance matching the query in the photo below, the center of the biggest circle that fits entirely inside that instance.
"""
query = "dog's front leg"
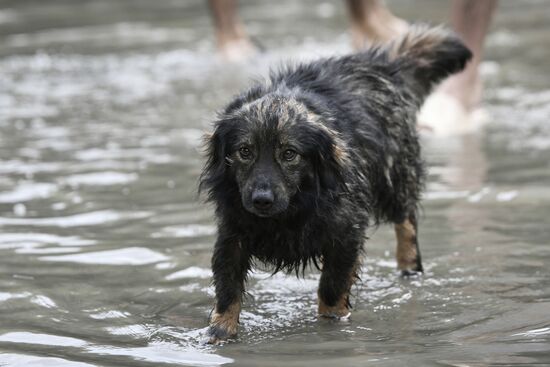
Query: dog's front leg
(229, 265)
(340, 268)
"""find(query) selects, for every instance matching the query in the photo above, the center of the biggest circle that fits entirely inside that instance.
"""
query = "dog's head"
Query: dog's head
(275, 153)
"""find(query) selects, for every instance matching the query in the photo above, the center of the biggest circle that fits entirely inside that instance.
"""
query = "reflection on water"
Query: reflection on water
(105, 250)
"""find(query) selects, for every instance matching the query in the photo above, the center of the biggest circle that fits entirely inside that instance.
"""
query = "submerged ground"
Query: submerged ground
(104, 247)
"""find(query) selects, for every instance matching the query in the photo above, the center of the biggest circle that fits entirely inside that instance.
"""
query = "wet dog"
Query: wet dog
(299, 166)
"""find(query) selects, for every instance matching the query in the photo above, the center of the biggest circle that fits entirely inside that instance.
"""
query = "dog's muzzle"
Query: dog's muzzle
(263, 200)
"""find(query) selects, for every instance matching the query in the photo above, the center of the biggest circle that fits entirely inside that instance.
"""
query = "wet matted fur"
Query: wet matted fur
(299, 166)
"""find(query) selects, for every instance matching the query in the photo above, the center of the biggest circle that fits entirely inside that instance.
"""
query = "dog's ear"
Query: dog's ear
(331, 161)
(216, 148)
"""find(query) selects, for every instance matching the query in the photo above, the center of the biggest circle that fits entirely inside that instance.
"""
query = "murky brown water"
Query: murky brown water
(104, 248)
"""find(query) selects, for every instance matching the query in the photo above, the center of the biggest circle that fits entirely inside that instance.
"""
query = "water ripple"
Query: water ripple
(76, 220)
(124, 256)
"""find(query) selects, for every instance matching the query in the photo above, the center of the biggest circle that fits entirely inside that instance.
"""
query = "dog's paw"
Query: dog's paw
(409, 273)
(335, 313)
(337, 316)
(341, 311)
(217, 335)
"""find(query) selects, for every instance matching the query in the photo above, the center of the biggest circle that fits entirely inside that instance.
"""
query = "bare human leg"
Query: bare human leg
(233, 43)
(372, 22)
(470, 19)
(453, 107)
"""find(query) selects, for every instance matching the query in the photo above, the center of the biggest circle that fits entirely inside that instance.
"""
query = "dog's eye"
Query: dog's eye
(289, 154)
(245, 152)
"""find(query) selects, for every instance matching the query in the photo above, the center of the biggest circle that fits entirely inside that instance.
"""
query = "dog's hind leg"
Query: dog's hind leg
(408, 252)
(339, 273)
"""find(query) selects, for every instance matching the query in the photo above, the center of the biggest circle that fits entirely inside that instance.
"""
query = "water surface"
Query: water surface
(105, 249)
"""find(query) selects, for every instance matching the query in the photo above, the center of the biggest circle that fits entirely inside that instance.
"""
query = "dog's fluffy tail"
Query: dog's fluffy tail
(428, 55)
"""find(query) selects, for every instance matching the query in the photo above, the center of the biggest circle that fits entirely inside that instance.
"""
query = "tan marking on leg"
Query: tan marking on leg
(228, 320)
(340, 310)
(406, 245)
(342, 307)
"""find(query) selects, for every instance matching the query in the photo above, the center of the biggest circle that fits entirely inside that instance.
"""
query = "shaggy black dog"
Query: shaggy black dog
(300, 166)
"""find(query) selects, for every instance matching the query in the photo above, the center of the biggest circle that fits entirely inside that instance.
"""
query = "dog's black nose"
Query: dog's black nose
(262, 199)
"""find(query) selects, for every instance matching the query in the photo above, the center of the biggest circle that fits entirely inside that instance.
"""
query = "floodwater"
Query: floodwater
(105, 248)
